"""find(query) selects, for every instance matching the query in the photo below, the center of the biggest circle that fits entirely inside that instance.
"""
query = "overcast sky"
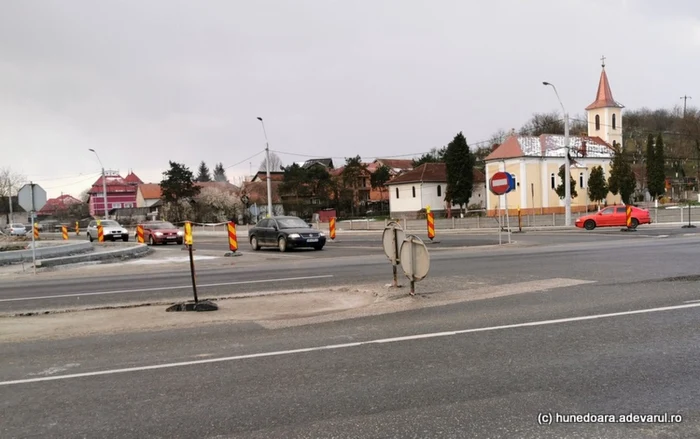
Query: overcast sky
(144, 82)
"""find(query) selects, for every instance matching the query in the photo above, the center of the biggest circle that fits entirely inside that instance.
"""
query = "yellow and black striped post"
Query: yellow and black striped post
(64, 232)
(188, 233)
(77, 228)
(36, 230)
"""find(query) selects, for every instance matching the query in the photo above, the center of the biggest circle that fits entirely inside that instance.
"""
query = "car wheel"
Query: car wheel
(635, 223)
(282, 244)
(318, 247)
(151, 241)
(125, 238)
(589, 225)
(254, 243)
(90, 237)
(179, 242)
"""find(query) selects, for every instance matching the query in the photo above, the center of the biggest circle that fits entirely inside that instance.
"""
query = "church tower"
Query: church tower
(605, 114)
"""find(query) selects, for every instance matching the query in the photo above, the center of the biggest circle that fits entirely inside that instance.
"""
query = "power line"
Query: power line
(245, 160)
(75, 182)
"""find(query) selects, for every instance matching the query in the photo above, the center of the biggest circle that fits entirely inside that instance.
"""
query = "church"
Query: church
(534, 161)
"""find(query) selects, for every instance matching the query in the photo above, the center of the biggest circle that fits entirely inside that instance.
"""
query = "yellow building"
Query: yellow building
(534, 161)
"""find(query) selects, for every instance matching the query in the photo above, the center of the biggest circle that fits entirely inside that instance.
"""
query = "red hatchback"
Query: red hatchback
(615, 216)
(161, 232)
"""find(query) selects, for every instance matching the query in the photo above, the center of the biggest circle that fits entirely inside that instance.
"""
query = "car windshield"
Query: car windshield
(110, 223)
(155, 226)
(17, 225)
(291, 223)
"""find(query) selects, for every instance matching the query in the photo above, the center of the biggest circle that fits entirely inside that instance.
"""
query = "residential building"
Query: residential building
(148, 195)
(274, 176)
(121, 193)
(254, 194)
(535, 161)
(58, 205)
(425, 186)
(396, 166)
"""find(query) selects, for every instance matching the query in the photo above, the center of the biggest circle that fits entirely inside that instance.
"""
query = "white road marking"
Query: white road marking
(692, 301)
(347, 345)
(176, 287)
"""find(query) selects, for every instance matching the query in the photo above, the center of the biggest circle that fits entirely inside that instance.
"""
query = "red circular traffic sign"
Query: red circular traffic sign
(500, 183)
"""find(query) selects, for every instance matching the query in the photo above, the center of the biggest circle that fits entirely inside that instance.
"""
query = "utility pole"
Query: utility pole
(10, 195)
(104, 184)
(567, 164)
(267, 166)
(685, 101)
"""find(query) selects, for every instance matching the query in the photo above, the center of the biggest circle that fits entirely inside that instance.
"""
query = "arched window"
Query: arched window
(439, 191)
(614, 122)
(397, 192)
(580, 180)
(553, 180)
(413, 189)
(597, 122)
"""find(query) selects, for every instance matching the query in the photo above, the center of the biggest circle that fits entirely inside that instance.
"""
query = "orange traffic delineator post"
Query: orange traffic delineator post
(139, 234)
(36, 230)
(64, 232)
(100, 232)
(77, 228)
(232, 240)
(331, 228)
(431, 224)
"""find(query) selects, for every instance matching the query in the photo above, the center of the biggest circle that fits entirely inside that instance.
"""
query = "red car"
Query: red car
(161, 232)
(615, 216)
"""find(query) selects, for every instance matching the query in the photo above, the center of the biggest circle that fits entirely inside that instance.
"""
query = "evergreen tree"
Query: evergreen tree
(434, 156)
(459, 163)
(561, 190)
(380, 178)
(220, 173)
(203, 174)
(654, 186)
(178, 188)
(597, 187)
(621, 178)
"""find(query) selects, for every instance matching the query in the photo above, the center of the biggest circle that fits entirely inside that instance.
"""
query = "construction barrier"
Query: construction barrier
(77, 228)
(188, 233)
(64, 232)
(139, 234)
(232, 238)
(100, 232)
(36, 230)
(629, 217)
(430, 217)
(331, 228)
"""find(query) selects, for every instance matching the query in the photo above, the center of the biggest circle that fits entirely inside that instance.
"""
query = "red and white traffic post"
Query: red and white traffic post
(500, 184)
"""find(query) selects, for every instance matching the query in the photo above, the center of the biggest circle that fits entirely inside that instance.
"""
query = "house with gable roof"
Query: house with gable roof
(535, 161)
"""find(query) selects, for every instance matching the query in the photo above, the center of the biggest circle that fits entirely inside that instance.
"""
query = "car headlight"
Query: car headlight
(158, 234)
(321, 234)
(180, 233)
(294, 236)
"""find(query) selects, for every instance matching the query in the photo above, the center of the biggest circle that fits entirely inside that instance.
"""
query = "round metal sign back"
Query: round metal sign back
(415, 259)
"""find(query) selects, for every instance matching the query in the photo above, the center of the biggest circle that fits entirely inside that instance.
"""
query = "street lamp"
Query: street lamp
(104, 184)
(567, 169)
(267, 166)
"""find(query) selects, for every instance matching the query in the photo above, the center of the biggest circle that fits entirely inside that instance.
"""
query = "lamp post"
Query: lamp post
(267, 166)
(104, 184)
(567, 169)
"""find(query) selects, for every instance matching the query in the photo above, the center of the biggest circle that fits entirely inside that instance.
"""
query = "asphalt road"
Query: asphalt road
(626, 256)
(486, 369)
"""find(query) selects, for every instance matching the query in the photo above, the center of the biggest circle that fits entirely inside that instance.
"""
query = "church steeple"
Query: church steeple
(604, 114)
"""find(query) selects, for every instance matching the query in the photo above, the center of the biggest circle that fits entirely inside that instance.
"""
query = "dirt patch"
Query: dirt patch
(279, 307)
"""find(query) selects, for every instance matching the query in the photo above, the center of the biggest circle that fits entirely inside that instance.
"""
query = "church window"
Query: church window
(614, 122)
(597, 122)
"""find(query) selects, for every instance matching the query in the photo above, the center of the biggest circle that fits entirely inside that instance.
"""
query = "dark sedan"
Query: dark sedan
(285, 232)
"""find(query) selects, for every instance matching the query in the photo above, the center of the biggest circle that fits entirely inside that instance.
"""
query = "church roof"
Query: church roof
(550, 145)
(604, 97)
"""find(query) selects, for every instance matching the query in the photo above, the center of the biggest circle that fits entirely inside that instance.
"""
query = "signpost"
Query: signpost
(392, 238)
(500, 184)
(32, 197)
(415, 260)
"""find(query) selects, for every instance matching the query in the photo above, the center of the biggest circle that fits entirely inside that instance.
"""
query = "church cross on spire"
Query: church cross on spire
(603, 60)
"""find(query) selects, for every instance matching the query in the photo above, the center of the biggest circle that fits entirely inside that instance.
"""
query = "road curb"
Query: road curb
(15, 256)
(132, 251)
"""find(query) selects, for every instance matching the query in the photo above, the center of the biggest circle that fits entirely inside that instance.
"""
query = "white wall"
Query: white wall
(426, 194)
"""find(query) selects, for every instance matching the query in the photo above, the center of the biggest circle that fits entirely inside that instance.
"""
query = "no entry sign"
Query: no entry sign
(501, 183)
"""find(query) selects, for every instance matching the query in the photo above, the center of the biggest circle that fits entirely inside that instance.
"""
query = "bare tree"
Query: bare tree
(275, 163)
(10, 182)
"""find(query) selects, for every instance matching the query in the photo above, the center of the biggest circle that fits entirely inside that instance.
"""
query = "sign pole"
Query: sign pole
(507, 217)
(500, 225)
(394, 270)
(33, 239)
